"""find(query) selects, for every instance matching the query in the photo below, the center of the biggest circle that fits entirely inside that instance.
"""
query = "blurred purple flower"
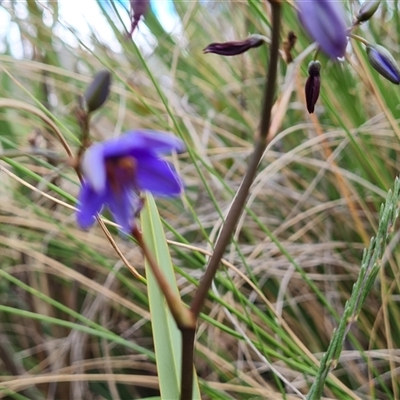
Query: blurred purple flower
(324, 22)
(117, 170)
(383, 62)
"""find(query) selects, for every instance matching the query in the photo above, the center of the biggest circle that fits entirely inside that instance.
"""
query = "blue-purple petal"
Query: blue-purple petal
(157, 176)
(158, 142)
(123, 207)
(93, 167)
(324, 22)
(120, 146)
(90, 204)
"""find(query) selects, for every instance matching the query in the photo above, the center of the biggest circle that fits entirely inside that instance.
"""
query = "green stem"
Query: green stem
(359, 38)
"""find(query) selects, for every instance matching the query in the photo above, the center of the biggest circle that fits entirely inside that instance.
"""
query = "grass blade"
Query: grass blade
(167, 337)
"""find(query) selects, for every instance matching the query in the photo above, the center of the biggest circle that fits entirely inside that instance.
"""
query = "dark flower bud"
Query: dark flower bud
(313, 85)
(236, 47)
(138, 8)
(98, 90)
(382, 61)
(367, 10)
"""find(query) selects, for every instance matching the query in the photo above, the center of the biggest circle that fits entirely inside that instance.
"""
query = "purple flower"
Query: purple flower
(324, 22)
(383, 62)
(116, 171)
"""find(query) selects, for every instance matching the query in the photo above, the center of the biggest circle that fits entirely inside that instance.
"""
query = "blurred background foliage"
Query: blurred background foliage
(76, 324)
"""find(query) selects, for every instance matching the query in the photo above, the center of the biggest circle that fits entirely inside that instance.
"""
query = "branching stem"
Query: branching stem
(259, 148)
(236, 209)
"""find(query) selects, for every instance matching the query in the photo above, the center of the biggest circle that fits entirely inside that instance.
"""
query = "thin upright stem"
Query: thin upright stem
(260, 145)
(270, 85)
(188, 336)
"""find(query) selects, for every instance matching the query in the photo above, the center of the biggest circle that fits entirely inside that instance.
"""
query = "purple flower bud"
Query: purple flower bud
(313, 85)
(367, 10)
(383, 62)
(138, 8)
(236, 47)
(324, 22)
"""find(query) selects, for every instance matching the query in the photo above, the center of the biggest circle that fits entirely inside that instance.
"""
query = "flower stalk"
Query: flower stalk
(182, 315)
(241, 196)
(237, 204)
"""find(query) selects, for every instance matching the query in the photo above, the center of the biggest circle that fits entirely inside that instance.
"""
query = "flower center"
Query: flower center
(121, 172)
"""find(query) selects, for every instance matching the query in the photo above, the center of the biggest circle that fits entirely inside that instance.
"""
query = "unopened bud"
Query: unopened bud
(98, 90)
(367, 10)
(236, 47)
(383, 62)
(313, 85)
(138, 9)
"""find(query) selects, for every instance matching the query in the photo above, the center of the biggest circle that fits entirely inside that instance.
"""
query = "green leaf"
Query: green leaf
(166, 335)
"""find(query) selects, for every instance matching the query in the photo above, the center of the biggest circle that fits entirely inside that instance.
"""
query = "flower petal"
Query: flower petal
(160, 142)
(324, 21)
(90, 203)
(154, 141)
(157, 176)
(123, 206)
(93, 167)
